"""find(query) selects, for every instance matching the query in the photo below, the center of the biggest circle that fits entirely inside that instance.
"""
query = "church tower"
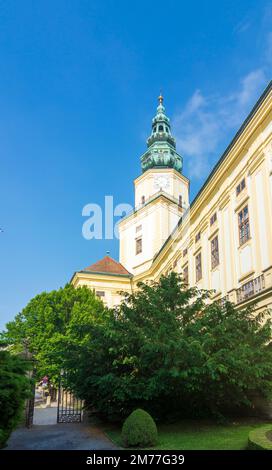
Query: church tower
(161, 196)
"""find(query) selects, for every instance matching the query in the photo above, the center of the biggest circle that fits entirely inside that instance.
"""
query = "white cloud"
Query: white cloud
(250, 85)
(206, 120)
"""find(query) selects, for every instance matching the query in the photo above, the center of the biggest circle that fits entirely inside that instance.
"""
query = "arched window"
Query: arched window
(160, 128)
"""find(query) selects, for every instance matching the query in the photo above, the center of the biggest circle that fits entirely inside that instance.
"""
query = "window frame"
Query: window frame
(213, 218)
(240, 187)
(138, 241)
(198, 266)
(186, 278)
(100, 293)
(243, 225)
(197, 237)
(215, 260)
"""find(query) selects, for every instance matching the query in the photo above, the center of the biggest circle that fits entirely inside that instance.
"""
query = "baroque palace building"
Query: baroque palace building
(222, 240)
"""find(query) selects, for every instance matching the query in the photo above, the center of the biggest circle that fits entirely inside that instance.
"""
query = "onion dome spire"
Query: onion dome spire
(161, 152)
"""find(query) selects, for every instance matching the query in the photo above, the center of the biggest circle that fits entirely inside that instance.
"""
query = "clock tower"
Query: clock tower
(161, 197)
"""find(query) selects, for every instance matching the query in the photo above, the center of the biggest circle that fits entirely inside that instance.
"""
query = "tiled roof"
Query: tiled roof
(108, 265)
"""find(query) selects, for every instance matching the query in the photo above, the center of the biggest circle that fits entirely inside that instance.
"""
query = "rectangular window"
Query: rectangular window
(139, 247)
(197, 238)
(214, 252)
(213, 218)
(186, 274)
(138, 228)
(240, 187)
(198, 265)
(180, 201)
(243, 225)
(100, 293)
(185, 252)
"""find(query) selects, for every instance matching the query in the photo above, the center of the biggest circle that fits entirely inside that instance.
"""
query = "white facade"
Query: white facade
(161, 196)
(176, 235)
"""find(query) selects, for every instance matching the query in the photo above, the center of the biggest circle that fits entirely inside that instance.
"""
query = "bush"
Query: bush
(3, 438)
(258, 439)
(14, 390)
(139, 429)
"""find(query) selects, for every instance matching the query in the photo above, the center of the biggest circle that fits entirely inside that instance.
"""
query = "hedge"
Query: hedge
(14, 390)
(258, 440)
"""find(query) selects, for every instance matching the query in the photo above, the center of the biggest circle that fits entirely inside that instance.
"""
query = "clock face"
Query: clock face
(161, 182)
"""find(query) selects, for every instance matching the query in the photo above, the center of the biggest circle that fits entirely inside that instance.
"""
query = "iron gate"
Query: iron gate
(30, 402)
(70, 408)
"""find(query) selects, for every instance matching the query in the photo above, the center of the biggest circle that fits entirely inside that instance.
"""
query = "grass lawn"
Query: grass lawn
(199, 435)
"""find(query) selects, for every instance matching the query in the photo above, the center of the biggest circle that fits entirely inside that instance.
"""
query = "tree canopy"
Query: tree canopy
(166, 349)
(43, 324)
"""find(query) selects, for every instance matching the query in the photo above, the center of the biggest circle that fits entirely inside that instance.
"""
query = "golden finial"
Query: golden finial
(160, 98)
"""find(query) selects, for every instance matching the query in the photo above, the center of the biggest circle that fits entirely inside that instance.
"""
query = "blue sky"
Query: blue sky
(78, 88)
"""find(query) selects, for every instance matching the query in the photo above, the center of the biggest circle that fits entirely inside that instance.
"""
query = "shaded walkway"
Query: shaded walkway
(60, 437)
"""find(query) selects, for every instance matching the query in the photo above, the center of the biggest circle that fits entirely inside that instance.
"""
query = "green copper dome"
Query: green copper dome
(161, 145)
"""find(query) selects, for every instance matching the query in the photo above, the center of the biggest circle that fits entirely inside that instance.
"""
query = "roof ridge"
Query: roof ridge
(108, 265)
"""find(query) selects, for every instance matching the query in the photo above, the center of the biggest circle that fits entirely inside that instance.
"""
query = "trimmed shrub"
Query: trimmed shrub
(258, 439)
(139, 429)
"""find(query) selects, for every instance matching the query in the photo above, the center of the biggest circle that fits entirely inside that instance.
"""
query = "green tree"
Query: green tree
(167, 350)
(14, 390)
(42, 325)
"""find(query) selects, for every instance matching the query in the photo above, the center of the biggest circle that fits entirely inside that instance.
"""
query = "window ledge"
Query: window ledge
(216, 294)
(241, 202)
(247, 242)
(246, 275)
(215, 268)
